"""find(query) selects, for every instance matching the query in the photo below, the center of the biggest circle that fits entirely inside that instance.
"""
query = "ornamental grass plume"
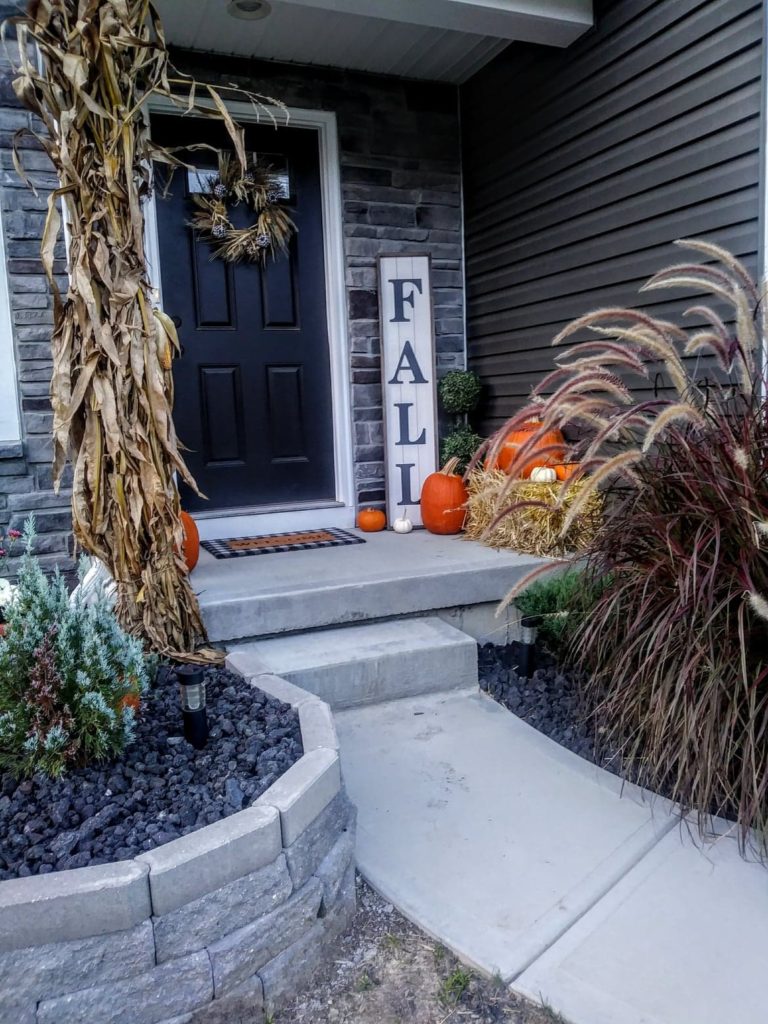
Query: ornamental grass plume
(676, 642)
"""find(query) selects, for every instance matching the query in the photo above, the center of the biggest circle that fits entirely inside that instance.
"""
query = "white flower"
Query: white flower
(758, 604)
(7, 592)
(740, 458)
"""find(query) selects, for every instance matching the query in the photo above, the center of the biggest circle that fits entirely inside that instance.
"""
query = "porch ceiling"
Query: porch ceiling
(441, 40)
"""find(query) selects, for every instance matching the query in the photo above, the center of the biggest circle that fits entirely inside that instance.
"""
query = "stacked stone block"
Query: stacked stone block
(223, 925)
(25, 467)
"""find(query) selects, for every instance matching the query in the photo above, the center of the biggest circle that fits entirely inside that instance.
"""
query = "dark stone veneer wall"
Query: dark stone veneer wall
(400, 157)
(25, 468)
(401, 189)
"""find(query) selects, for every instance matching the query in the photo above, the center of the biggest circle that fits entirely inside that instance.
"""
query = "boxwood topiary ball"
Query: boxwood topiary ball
(460, 391)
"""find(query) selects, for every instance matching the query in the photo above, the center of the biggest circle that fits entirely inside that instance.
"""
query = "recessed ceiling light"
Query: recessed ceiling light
(249, 10)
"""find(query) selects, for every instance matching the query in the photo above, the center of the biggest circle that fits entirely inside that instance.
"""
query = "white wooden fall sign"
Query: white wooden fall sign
(408, 380)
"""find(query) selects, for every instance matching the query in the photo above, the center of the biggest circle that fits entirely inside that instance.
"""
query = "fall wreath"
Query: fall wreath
(260, 189)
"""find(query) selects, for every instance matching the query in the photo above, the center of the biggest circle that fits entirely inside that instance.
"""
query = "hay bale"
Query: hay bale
(529, 529)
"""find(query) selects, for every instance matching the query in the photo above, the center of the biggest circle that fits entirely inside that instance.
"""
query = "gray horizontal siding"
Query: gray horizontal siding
(582, 166)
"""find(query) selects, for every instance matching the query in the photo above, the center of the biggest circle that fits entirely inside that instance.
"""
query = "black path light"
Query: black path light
(192, 687)
(529, 625)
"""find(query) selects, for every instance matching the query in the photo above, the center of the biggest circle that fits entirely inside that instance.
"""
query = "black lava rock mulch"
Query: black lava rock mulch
(160, 789)
(550, 700)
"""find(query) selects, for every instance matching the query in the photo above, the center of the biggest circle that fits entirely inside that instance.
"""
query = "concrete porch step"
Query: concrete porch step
(367, 664)
(389, 576)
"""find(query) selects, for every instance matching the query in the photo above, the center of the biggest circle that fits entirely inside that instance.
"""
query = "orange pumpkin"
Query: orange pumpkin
(191, 545)
(130, 700)
(566, 470)
(371, 520)
(517, 438)
(443, 497)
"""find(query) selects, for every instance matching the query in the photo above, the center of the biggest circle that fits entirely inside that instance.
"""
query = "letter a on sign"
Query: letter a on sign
(408, 380)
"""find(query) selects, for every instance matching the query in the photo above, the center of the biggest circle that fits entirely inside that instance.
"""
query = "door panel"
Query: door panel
(213, 300)
(221, 396)
(284, 388)
(278, 296)
(253, 387)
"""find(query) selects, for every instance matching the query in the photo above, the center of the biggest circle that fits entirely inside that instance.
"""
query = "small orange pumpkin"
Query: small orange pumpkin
(517, 438)
(130, 700)
(371, 520)
(566, 470)
(191, 544)
(443, 497)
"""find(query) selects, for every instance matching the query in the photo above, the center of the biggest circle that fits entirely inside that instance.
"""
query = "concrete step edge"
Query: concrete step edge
(238, 619)
(445, 636)
(352, 674)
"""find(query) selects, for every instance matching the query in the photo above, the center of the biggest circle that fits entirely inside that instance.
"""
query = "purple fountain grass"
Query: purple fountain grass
(676, 643)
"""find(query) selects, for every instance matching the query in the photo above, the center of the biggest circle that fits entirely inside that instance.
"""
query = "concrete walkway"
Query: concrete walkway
(527, 861)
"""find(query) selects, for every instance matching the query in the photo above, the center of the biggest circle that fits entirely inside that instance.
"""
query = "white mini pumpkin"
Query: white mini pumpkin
(543, 475)
(402, 525)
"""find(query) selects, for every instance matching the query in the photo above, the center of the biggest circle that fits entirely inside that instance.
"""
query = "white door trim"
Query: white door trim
(211, 525)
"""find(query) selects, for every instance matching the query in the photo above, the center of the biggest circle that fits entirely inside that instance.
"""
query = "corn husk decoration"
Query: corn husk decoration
(112, 389)
(258, 188)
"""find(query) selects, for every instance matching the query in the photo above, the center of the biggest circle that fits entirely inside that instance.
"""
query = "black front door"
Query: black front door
(253, 387)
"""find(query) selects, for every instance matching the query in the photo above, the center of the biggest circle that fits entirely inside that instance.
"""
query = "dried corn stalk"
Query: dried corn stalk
(112, 390)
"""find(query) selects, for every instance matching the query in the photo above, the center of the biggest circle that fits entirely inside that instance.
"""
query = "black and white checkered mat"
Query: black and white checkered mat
(270, 543)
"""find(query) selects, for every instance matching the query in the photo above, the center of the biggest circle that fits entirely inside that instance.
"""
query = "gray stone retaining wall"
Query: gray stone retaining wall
(222, 925)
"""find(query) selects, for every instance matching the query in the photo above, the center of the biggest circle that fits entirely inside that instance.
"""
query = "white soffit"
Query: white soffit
(441, 40)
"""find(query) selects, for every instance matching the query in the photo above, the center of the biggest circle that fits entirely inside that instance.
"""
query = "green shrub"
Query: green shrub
(564, 599)
(460, 391)
(69, 676)
(461, 443)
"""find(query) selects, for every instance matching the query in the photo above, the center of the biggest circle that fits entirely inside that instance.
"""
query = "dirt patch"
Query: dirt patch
(385, 971)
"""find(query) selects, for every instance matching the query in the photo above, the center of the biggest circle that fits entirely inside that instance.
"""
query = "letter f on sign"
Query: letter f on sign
(400, 298)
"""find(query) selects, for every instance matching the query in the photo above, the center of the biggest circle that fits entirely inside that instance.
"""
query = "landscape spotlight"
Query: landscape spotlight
(192, 687)
(529, 625)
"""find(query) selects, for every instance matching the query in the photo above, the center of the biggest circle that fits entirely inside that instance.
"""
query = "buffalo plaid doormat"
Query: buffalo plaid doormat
(298, 540)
